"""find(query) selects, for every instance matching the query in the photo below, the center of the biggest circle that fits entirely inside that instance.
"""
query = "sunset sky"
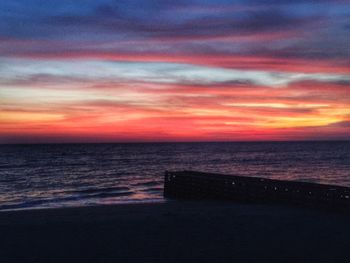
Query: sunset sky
(185, 70)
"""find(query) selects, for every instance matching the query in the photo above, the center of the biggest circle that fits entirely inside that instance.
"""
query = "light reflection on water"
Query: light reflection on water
(37, 176)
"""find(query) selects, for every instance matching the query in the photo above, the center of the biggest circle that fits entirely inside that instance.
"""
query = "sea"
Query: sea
(71, 175)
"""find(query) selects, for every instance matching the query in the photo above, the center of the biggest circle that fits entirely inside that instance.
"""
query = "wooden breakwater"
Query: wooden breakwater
(198, 185)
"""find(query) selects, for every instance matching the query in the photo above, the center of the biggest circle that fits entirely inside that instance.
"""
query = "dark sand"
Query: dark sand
(175, 232)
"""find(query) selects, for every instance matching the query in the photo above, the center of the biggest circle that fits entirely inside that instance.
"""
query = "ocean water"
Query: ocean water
(54, 175)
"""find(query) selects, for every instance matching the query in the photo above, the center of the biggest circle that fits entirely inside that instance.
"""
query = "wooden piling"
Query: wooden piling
(198, 185)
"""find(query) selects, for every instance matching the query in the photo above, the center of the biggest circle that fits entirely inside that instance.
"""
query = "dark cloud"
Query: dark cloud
(342, 124)
(148, 19)
(107, 19)
(310, 30)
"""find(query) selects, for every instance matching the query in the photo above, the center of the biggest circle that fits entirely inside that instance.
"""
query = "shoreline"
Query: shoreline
(131, 202)
(174, 231)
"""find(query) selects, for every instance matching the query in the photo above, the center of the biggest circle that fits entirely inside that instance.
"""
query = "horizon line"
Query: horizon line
(175, 142)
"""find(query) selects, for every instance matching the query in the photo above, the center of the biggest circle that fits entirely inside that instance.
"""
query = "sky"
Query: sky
(144, 71)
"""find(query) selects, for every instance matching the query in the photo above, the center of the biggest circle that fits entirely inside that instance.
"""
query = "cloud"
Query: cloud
(138, 70)
(212, 28)
(300, 36)
(34, 71)
(342, 124)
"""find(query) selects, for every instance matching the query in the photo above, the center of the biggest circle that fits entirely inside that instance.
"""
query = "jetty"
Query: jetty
(198, 185)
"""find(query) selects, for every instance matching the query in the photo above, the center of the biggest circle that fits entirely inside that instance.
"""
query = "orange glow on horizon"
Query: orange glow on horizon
(167, 112)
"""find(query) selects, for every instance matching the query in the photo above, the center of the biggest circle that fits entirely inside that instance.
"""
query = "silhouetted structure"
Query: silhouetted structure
(198, 185)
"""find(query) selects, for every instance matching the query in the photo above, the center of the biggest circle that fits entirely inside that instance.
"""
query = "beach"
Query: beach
(174, 231)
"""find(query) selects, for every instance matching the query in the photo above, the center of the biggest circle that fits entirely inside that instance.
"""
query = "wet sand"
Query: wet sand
(175, 231)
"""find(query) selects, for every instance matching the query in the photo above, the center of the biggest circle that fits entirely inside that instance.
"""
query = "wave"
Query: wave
(98, 190)
(50, 202)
